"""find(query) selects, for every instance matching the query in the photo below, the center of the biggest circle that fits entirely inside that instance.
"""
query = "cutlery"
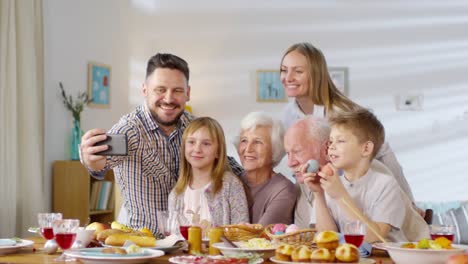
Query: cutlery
(228, 241)
(364, 219)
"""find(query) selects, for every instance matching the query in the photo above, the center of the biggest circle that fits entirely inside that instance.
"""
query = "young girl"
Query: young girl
(206, 187)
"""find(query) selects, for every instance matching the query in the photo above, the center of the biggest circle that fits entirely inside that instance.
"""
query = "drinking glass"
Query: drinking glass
(162, 217)
(447, 231)
(354, 232)
(184, 225)
(184, 231)
(65, 234)
(45, 221)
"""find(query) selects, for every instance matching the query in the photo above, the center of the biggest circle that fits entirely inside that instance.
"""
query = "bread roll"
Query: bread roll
(322, 255)
(347, 253)
(283, 252)
(327, 239)
(301, 254)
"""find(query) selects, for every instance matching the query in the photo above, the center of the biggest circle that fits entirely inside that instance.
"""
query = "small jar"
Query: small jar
(214, 235)
(195, 240)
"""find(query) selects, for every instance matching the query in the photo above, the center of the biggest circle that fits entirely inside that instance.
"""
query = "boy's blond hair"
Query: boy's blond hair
(363, 124)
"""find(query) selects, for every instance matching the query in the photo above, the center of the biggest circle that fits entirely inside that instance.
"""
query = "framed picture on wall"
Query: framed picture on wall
(269, 88)
(340, 78)
(99, 77)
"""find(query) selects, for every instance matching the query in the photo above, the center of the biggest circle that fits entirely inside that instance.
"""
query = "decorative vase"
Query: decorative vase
(76, 134)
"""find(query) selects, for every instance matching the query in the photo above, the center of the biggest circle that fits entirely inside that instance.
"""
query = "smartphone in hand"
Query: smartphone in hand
(117, 145)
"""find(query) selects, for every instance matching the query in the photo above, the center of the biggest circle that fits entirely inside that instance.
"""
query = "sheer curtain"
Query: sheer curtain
(21, 116)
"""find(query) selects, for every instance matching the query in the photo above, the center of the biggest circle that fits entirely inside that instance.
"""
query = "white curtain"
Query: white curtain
(21, 116)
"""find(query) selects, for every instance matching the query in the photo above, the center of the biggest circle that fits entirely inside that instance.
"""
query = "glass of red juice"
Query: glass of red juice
(45, 221)
(184, 231)
(65, 234)
(447, 231)
(354, 232)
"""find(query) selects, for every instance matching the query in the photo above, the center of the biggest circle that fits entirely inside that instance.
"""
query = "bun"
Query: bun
(347, 253)
(327, 239)
(322, 255)
(283, 252)
(301, 254)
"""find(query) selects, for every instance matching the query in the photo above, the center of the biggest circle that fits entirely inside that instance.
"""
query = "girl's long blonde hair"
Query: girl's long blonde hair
(322, 90)
(220, 165)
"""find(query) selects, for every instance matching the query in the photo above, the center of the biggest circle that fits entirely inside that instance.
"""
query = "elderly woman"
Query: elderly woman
(260, 147)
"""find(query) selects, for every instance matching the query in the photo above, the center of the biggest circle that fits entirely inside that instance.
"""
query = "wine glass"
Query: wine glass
(45, 224)
(162, 217)
(447, 231)
(354, 232)
(65, 234)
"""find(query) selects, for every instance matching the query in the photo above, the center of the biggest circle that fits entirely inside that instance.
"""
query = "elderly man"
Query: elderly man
(307, 139)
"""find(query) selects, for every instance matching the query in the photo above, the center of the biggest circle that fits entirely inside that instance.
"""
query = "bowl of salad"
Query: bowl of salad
(260, 246)
(424, 251)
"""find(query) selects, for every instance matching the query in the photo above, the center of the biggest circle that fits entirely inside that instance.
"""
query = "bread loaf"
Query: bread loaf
(119, 240)
(102, 235)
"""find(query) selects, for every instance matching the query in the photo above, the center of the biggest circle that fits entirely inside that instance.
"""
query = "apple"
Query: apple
(327, 170)
(97, 227)
(458, 259)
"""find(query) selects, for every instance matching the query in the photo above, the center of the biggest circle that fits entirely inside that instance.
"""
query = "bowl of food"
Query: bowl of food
(255, 246)
(421, 252)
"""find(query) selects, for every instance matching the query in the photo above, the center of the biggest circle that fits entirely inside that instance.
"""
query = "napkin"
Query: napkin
(365, 249)
(169, 241)
(6, 242)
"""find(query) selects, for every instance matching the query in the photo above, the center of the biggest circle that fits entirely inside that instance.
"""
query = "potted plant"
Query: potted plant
(76, 106)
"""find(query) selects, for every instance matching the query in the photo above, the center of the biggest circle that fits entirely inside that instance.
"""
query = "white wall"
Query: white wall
(390, 48)
(76, 32)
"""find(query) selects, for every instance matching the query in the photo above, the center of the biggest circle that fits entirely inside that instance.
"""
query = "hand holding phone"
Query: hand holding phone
(117, 145)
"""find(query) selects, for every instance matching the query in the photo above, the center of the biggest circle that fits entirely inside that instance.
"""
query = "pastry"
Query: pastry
(347, 253)
(301, 254)
(283, 252)
(322, 255)
(327, 239)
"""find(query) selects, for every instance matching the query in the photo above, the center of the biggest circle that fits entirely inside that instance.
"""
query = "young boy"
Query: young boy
(355, 138)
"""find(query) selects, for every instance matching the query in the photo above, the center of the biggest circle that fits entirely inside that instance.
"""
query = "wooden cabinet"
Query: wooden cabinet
(71, 189)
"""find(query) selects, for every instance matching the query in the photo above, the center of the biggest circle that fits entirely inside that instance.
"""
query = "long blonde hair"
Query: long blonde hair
(220, 165)
(322, 90)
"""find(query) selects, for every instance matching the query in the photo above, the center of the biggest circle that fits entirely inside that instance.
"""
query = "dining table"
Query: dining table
(35, 255)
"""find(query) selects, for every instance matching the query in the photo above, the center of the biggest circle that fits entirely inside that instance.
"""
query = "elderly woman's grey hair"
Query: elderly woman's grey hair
(255, 119)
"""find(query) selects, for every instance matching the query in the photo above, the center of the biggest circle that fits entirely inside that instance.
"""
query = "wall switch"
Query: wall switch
(409, 102)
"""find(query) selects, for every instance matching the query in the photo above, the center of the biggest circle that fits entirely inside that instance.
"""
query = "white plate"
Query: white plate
(12, 249)
(229, 251)
(165, 249)
(94, 256)
(419, 256)
(361, 261)
(168, 249)
(191, 259)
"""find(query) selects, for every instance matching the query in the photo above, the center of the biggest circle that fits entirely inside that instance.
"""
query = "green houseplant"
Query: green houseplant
(76, 106)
